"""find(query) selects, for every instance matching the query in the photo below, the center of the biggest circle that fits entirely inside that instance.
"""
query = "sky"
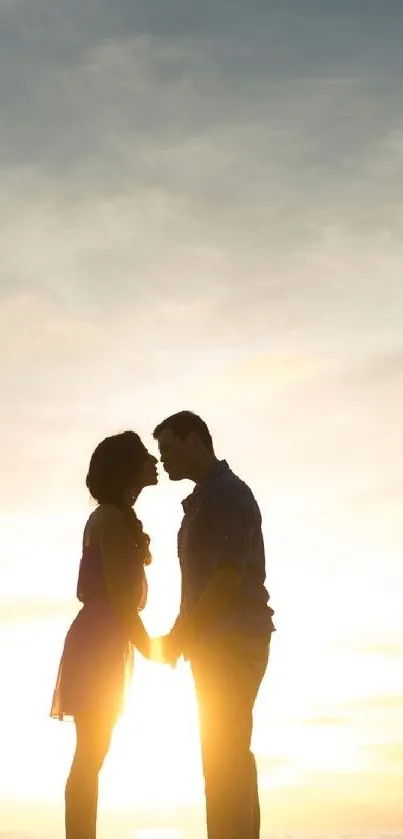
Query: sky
(201, 208)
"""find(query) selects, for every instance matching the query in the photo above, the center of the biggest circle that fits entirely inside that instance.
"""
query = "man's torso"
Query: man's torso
(222, 525)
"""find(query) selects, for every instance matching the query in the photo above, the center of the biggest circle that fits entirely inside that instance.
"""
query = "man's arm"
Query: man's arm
(212, 605)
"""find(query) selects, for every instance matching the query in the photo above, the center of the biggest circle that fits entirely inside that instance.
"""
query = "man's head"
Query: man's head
(185, 445)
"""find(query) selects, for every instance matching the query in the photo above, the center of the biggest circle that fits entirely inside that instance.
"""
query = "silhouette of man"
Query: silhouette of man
(224, 624)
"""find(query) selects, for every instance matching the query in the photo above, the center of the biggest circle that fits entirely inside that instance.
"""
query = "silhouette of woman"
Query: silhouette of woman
(97, 660)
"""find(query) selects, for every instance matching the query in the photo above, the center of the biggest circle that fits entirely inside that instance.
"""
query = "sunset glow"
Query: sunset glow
(201, 208)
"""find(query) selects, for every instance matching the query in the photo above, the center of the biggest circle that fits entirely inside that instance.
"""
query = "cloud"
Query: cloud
(384, 368)
(366, 708)
(31, 610)
(326, 720)
(371, 648)
(206, 109)
(203, 209)
(336, 802)
(387, 756)
(269, 371)
(381, 703)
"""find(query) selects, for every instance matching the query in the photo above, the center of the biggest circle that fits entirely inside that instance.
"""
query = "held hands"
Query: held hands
(181, 640)
(165, 649)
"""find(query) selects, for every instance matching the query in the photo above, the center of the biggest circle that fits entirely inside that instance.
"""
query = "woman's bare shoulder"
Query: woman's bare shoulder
(105, 515)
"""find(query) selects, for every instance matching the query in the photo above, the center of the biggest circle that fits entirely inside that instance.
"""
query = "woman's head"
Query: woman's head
(120, 467)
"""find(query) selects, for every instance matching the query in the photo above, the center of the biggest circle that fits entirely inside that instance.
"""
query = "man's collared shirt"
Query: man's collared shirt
(222, 526)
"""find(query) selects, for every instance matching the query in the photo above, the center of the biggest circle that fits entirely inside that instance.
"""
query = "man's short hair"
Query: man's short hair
(182, 424)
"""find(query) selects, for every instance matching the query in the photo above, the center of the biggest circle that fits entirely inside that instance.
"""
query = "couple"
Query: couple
(223, 628)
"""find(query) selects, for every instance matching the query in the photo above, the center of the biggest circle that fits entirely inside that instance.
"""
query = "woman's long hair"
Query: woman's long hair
(114, 465)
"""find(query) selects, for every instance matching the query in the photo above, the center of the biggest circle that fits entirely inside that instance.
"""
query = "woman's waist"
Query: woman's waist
(96, 595)
(95, 601)
(99, 611)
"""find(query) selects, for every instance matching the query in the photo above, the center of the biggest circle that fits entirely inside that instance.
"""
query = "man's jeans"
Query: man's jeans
(227, 678)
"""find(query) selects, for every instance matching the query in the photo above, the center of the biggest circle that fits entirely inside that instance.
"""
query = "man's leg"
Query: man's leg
(254, 657)
(227, 680)
(255, 802)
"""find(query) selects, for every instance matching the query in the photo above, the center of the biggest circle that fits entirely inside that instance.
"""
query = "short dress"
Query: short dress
(97, 660)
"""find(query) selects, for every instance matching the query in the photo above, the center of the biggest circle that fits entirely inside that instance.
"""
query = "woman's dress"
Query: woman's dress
(97, 661)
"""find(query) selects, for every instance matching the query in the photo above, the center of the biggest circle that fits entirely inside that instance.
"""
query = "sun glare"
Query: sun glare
(156, 755)
(154, 766)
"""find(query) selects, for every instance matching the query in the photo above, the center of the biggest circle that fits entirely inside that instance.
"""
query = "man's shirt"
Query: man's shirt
(222, 526)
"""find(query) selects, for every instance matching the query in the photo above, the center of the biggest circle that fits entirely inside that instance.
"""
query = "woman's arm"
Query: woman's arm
(116, 544)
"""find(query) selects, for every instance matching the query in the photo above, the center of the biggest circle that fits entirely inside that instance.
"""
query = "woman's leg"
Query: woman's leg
(94, 733)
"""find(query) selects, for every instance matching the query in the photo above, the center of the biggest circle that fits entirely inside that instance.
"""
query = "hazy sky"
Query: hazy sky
(201, 207)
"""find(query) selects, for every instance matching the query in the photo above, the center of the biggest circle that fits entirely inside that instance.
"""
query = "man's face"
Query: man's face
(175, 454)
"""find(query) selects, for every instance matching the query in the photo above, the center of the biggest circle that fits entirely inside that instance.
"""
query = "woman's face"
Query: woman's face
(149, 474)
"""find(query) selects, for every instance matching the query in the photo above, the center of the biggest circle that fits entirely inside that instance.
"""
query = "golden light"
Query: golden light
(155, 758)
(159, 833)
(154, 765)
